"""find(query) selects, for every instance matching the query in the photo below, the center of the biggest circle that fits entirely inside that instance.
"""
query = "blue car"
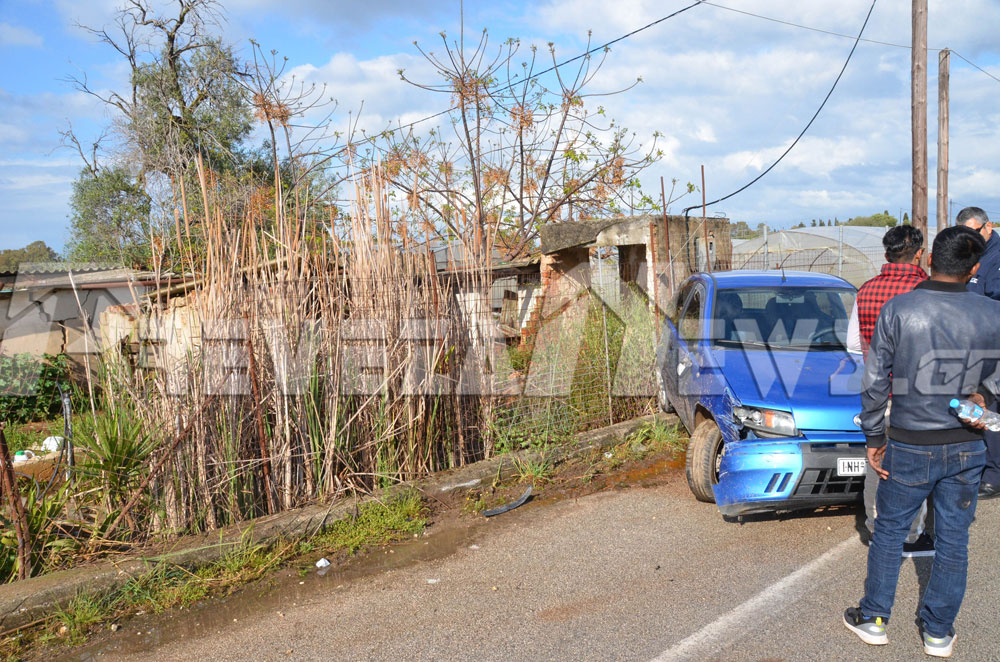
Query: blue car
(756, 367)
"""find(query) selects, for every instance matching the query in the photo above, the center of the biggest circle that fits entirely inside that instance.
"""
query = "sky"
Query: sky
(726, 90)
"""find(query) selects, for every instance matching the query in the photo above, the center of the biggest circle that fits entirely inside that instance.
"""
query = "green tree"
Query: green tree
(109, 219)
(878, 220)
(742, 230)
(36, 251)
(184, 106)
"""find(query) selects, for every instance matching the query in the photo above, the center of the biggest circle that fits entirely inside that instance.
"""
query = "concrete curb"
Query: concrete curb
(24, 602)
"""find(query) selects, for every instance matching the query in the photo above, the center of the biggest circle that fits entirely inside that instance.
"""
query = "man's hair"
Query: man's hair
(970, 213)
(956, 250)
(902, 243)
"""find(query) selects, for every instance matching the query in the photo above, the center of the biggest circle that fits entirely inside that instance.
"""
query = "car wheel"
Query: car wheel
(704, 453)
(661, 395)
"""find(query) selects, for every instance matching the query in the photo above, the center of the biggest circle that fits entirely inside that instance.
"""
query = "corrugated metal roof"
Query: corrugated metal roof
(61, 267)
(67, 275)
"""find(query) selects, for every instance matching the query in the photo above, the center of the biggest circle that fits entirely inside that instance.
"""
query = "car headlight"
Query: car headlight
(766, 421)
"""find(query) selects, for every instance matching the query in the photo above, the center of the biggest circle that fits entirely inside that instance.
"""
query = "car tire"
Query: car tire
(702, 465)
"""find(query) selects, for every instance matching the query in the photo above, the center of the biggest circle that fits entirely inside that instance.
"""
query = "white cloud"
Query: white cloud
(372, 91)
(340, 13)
(15, 35)
(814, 156)
(974, 184)
(10, 133)
(19, 182)
(39, 163)
(825, 199)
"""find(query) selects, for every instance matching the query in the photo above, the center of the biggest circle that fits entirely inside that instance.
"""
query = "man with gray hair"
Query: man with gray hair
(986, 282)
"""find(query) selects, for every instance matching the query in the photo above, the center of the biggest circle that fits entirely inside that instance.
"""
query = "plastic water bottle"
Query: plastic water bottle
(966, 410)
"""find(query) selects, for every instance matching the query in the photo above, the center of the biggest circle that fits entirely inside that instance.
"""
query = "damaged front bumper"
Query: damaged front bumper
(790, 473)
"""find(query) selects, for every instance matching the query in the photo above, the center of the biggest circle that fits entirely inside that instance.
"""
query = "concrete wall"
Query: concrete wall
(50, 321)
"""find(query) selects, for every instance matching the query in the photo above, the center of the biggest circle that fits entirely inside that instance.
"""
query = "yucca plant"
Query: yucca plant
(116, 445)
(49, 542)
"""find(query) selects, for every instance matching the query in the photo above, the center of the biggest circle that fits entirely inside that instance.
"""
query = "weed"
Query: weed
(73, 622)
(536, 471)
(22, 436)
(659, 436)
(375, 524)
(50, 545)
(520, 357)
(475, 503)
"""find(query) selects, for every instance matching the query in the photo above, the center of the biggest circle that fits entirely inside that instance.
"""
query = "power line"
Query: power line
(807, 27)
(976, 66)
(753, 181)
(839, 34)
(556, 66)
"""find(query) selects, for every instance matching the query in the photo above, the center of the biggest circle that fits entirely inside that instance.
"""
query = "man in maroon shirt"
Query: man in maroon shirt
(901, 273)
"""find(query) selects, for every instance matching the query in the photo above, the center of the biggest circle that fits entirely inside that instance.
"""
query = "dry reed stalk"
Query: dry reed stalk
(8, 485)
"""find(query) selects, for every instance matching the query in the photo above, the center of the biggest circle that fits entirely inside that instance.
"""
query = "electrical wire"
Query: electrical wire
(803, 132)
(553, 67)
(807, 27)
(976, 65)
(845, 36)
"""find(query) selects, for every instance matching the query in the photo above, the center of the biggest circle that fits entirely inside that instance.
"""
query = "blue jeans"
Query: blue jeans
(951, 473)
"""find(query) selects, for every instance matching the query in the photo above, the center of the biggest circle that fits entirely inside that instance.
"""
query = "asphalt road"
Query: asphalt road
(636, 574)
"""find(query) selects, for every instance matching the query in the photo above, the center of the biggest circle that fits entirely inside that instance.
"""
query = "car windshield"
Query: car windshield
(782, 317)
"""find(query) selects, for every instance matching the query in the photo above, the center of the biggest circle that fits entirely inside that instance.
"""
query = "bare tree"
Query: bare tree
(183, 97)
(529, 147)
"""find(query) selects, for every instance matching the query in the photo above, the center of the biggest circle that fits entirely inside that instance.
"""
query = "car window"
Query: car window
(782, 316)
(690, 326)
(677, 302)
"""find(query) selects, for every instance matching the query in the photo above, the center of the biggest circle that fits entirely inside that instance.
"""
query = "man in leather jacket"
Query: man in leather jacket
(986, 282)
(932, 344)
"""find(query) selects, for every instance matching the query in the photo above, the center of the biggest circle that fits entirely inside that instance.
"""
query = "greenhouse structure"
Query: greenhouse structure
(854, 253)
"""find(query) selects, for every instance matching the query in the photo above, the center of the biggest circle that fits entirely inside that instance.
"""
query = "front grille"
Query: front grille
(778, 482)
(822, 482)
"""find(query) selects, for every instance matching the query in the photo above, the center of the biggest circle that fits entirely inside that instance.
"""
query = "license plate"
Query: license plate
(851, 466)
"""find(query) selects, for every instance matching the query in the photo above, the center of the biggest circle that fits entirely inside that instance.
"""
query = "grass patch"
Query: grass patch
(376, 523)
(536, 471)
(657, 435)
(166, 586)
(24, 436)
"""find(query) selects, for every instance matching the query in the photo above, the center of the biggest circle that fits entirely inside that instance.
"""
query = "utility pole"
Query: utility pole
(942, 157)
(918, 117)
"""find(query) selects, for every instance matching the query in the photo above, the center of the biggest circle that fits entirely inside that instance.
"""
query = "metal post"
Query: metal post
(652, 265)
(666, 242)
(704, 223)
(767, 258)
(840, 252)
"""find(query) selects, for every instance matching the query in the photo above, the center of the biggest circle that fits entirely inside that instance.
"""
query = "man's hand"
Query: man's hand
(979, 400)
(875, 456)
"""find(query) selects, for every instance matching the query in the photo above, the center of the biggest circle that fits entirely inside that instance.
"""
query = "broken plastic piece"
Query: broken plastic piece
(323, 563)
(510, 506)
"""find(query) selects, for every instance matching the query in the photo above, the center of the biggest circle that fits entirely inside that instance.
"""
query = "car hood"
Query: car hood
(821, 388)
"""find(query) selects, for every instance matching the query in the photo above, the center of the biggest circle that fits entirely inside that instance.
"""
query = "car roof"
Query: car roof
(771, 278)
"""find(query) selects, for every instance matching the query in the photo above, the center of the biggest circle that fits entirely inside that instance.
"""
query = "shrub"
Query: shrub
(29, 386)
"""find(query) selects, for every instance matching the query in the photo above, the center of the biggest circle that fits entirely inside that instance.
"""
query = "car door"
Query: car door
(666, 351)
(688, 372)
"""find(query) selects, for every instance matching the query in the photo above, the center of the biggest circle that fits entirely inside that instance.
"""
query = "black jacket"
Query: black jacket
(987, 279)
(935, 343)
